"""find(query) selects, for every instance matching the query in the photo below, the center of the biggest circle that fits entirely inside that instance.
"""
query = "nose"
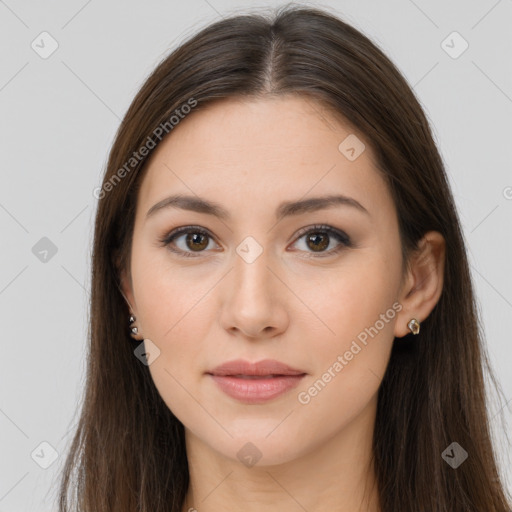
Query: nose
(254, 300)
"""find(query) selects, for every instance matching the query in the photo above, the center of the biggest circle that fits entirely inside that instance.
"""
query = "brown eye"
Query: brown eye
(187, 240)
(196, 241)
(317, 241)
(318, 238)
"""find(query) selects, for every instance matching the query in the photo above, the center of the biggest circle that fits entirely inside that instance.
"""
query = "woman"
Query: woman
(282, 313)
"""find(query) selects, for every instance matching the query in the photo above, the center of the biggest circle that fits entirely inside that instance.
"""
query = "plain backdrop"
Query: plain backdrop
(59, 114)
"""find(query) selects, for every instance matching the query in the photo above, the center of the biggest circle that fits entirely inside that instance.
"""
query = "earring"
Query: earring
(414, 326)
(134, 330)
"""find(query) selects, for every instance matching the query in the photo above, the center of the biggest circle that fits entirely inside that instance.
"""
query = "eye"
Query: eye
(195, 240)
(319, 237)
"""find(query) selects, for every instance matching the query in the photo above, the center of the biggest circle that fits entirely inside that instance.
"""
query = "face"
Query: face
(315, 287)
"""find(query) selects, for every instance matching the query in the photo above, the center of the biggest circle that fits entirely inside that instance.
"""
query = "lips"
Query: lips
(266, 368)
(255, 383)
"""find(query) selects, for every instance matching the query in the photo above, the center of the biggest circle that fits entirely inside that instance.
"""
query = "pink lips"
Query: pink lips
(255, 382)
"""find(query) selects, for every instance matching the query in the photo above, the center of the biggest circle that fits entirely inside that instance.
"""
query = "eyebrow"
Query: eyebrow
(285, 209)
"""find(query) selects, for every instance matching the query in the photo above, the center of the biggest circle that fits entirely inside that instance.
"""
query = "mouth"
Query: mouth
(253, 376)
(255, 383)
(265, 368)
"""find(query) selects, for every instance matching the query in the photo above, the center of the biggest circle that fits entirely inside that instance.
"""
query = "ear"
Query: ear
(424, 282)
(126, 287)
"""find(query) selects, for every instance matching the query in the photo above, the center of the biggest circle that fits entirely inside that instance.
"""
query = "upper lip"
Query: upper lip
(264, 367)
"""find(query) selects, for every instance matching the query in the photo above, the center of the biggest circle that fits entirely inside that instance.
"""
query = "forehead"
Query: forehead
(252, 152)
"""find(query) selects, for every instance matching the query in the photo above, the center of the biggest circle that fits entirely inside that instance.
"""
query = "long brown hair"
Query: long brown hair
(128, 453)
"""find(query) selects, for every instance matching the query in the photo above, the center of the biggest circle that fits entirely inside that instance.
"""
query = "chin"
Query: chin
(256, 448)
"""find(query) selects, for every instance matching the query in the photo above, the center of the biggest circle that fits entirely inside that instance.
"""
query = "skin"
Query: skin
(291, 304)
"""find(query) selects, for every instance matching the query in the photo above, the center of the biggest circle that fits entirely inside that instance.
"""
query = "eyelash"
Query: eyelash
(340, 236)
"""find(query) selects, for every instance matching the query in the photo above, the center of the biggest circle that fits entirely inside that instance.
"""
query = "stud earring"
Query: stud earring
(134, 330)
(414, 326)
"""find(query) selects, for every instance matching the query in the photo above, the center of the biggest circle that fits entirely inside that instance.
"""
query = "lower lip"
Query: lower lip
(256, 391)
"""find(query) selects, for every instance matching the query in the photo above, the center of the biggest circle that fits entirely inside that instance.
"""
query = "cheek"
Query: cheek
(167, 292)
(173, 307)
(177, 319)
(356, 309)
(349, 298)
(348, 365)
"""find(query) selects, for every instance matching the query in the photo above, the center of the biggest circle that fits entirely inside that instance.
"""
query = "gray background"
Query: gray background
(58, 119)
